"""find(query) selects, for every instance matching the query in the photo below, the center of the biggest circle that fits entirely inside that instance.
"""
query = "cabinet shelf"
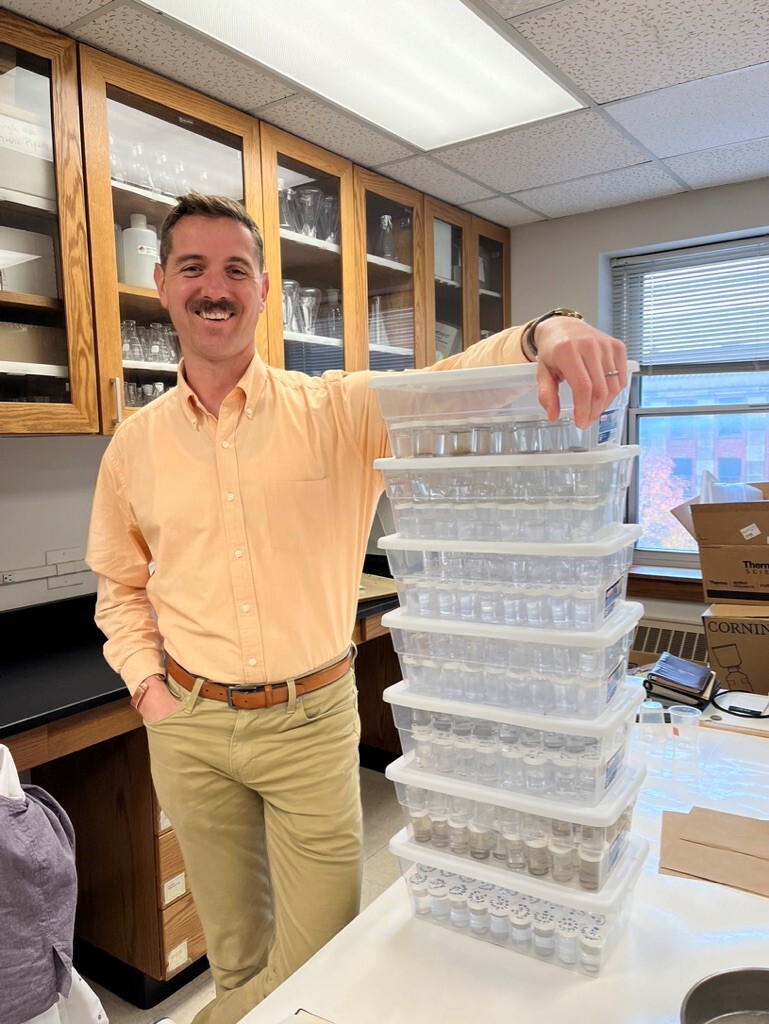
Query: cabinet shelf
(311, 339)
(139, 303)
(23, 300)
(486, 294)
(311, 261)
(18, 369)
(447, 282)
(395, 350)
(23, 202)
(128, 199)
(380, 261)
(136, 364)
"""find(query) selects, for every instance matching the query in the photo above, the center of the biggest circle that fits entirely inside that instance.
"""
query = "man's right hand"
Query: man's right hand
(158, 702)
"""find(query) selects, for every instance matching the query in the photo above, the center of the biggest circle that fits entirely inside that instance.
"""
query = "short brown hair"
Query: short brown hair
(195, 204)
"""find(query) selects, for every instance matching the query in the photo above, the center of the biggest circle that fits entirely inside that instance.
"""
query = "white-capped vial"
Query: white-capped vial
(481, 841)
(513, 605)
(520, 926)
(561, 860)
(574, 743)
(537, 856)
(535, 766)
(443, 752)
(418, 886)
(513, 773)
(458, 912)
(591, 943)
(543, 924)
(420, 824)
(459, 835)
(516, 851)
(532, 739)
(464, 757)
(474, 689)
(494, 684)
(561, 607)
(592, 866)
(438, 892)
(423, 745)
(486, 760)
(564, 770)
(562, 831)
(591, 776)
(452, 679)
(499, 917)
(567, 941)
(537, 608)
(478, 905)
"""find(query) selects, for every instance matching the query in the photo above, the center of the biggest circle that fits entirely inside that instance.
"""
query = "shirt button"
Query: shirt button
(230, 496)
(225, 444)
(246, 607)
(252, 661)
(238, 553)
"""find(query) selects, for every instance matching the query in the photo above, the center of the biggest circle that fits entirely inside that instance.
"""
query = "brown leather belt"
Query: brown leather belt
(260, 695)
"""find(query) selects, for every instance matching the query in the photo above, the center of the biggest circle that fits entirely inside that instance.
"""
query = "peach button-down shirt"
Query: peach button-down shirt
(237, 543)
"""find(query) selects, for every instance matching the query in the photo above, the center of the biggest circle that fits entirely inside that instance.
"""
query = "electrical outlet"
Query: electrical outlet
(8, 577)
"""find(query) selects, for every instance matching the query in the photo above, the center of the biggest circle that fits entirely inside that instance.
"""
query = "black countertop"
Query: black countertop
(52, 665)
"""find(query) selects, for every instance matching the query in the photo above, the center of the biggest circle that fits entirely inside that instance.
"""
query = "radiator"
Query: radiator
(654, 636)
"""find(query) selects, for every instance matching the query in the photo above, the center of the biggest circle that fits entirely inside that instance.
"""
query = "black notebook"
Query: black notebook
(677, 679)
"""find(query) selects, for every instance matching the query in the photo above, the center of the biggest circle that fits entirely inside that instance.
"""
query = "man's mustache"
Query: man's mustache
(206, 306)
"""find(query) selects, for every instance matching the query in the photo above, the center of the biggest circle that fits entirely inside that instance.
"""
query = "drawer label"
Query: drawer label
(164, 821)
(178, 957)
(174, 887)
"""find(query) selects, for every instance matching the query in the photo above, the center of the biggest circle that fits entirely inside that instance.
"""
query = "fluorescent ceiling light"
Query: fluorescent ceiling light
(430, 72)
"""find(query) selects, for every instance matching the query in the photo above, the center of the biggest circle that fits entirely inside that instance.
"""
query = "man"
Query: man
(228, 531)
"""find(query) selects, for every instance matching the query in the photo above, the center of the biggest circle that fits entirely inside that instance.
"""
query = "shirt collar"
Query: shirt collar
(251, 384)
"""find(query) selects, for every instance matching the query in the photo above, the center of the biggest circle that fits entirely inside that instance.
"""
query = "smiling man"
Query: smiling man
(228, 532)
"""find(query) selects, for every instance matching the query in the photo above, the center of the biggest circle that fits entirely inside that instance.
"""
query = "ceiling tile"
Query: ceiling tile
(54, 13)
(699, 115)
(618, 48)
(422, 173)
(742, 162)
(557, 150)
(155, 43)
(629, 185)
(307, 117)
(502, 210)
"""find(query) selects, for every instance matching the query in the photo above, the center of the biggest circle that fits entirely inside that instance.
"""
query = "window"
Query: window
(697, 322)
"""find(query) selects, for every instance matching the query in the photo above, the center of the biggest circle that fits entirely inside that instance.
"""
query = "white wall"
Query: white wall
(564, 262)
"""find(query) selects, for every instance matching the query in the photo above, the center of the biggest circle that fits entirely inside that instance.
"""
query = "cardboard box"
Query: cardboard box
(738, 646)
(732, 538)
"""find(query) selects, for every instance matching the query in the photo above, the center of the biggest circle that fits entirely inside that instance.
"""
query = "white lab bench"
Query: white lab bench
(388, 968)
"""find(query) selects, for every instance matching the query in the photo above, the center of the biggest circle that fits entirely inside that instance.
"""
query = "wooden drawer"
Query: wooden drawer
(181, 936)
(171, 876)
(161, 821)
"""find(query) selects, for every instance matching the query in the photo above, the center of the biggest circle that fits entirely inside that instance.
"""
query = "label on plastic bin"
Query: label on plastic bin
(613, 681)
(614, 850)
(612, 593)
(612, 766)
(607, 425)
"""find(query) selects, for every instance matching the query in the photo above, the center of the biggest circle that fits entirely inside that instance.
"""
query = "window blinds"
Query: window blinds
(703, 306)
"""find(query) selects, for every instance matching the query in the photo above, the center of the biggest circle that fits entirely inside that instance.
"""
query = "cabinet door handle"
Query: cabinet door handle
(118, 385)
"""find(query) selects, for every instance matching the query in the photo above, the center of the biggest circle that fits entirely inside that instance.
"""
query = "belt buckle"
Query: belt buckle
(242, 688)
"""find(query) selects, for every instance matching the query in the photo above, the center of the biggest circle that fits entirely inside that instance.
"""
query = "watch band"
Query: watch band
(139, 694)
(530, 347)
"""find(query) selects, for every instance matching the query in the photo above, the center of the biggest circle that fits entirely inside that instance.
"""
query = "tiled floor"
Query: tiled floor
(382, 818)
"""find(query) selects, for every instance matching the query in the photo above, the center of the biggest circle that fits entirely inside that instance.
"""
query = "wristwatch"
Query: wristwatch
(530, 347)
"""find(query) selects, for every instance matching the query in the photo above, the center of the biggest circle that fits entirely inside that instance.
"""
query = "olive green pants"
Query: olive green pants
(266, 806)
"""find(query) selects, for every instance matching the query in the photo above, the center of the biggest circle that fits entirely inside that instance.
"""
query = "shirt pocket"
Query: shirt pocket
(299, 515)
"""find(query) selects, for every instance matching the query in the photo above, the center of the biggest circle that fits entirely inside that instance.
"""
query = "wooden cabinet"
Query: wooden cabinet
(389, 221)
(314, 303)
(148, 140)
(449, 280)
(47, 371)
(490, 291)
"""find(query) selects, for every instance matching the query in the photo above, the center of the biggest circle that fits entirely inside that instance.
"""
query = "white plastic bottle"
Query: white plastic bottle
(140, 252)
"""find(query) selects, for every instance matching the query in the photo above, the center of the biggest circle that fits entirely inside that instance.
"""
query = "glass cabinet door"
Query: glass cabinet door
(144, 153)
(493, 257)
(47, 376)
(308, 231)
(449, 291)
(390, 220)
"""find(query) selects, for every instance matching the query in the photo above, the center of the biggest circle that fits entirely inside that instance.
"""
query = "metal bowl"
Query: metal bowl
(734, 997)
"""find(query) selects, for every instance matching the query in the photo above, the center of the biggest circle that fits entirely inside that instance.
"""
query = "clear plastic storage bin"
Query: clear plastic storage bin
(490, 410)
(577, 930)
(556, 498)
(546, 757)
(576, 848)
(546, 586)
(539, 672)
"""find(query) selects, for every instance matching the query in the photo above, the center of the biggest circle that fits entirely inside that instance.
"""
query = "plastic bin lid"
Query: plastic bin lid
(618, 538)
(477, 376)
(626, 701)
(607, 901)
(598, 457)
(623, 619)
(623, 790)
